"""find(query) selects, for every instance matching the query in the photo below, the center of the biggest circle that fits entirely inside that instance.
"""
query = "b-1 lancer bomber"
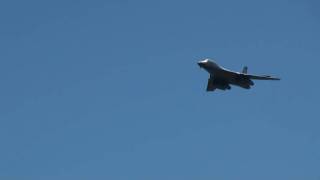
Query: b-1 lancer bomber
(221, 78)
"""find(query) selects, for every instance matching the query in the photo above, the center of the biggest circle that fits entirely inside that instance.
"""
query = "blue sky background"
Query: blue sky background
(111, 90)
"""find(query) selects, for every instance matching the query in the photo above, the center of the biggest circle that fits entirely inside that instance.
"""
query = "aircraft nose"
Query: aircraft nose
(200, 64)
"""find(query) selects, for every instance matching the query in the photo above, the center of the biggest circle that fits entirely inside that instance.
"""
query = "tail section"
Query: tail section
(245, 70)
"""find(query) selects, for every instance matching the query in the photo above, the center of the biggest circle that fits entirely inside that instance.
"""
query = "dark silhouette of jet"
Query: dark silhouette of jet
(221, 78)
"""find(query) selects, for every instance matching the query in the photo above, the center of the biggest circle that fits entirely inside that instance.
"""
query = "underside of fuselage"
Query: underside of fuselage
(224, 82)
(242, 81)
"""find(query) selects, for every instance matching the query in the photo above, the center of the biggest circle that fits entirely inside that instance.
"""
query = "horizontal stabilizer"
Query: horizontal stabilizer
(263, 77)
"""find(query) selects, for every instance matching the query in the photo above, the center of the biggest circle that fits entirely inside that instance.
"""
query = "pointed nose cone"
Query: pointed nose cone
(200, 64)
(203, 63)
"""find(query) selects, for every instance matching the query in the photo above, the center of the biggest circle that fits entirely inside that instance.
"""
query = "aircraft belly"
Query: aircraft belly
(226, 76)
(242, 82)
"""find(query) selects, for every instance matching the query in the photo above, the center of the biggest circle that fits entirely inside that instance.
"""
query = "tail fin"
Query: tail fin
(245, 70)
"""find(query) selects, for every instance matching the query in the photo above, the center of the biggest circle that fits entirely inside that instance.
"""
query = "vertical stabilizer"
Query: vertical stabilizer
(245, 70)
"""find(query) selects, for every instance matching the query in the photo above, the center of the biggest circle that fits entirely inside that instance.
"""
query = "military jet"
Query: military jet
(221, 78)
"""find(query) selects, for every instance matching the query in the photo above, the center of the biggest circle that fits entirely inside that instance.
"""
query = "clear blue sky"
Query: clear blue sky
(111, 90)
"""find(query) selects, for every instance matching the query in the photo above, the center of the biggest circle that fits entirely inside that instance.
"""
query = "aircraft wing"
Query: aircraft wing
(210, 86)
(264, 77)
(216, 83)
